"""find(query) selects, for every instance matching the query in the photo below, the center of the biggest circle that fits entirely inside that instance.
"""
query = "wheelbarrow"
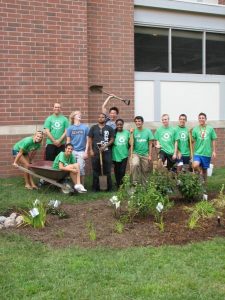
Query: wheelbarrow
(43, 170)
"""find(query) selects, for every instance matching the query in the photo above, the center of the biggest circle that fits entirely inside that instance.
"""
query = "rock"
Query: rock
(19, 220)
(13, 216)
(2, 219)
(9, 222)
(1, 226)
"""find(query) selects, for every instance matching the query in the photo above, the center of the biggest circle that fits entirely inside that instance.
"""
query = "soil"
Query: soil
(141, 232)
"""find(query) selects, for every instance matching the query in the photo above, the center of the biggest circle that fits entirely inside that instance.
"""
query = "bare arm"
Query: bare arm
(68, 139)
(214, 148)
(150, 150)
(90, 146)
(104, 109)
(69, 168)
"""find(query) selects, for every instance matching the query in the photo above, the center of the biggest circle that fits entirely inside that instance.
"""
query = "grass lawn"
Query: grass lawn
(31, 270)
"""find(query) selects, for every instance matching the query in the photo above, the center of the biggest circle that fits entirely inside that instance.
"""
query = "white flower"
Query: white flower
(117, 204)
(114, 200)
(36, 202)
(159, 207)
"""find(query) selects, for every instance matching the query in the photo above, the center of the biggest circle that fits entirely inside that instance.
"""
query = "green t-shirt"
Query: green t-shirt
(61, 157)
(120, 149)
(56, 126)
(27, 144)
(182, 138)
(203, 137)
(141, 141)
(166, 138)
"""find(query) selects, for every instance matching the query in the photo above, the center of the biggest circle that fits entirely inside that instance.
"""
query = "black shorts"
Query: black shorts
(51, 151)
(167, 157)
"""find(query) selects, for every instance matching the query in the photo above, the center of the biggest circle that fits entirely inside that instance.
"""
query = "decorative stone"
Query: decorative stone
(19, 220)
(2, 219)
(9, 222)
(13, 216)
(1, 226)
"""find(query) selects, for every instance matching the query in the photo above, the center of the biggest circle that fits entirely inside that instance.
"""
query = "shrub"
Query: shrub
(163, 181)
(190, 186)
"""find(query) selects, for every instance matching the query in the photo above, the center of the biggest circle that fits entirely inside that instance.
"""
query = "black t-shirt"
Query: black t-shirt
(100, 136)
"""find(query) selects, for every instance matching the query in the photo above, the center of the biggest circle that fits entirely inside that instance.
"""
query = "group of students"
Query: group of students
(70, 143)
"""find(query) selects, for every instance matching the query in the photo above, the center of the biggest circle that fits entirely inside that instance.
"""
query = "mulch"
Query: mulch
(141, 232)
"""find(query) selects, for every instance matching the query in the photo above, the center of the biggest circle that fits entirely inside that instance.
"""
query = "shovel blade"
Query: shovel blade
(103, 182)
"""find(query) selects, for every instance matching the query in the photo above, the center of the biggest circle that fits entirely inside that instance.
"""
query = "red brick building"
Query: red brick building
(53, 50)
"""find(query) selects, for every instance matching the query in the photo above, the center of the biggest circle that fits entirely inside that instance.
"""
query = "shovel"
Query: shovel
(99, 89)
(102, 178)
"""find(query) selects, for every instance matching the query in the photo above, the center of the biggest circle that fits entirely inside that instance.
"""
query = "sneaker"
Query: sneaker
(80, 188)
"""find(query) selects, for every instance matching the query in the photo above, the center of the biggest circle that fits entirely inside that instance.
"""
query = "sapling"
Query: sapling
(91, 231)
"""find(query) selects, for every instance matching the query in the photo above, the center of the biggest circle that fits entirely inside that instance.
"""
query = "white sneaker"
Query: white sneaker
(80, 188)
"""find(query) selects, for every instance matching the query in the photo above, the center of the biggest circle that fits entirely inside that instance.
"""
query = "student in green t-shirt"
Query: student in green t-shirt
(55, 128)
(182, 143)
(24, 151)
(165, 141)
(66, 161)
(120, 151)
(204, 137)
(142, 156)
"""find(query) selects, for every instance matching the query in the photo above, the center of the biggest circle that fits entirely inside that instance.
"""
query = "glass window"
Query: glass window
(151, 49)
(186, 52)
(215, 53)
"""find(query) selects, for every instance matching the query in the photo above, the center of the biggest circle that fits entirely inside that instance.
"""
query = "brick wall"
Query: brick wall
(52, 51)
(43, 58)
(111, 53)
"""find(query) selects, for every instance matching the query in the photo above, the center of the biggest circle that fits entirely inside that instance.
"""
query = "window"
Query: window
(215, 54)
(151, 49)
(179, 51)
(186, 52)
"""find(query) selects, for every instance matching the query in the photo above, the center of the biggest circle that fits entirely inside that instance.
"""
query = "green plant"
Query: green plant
(125, 190)
(163, 181)
(202, 209)
(119, 227)
(190, 186)
(219, 202)
(91, 231)
(57, 212)
(36, 217)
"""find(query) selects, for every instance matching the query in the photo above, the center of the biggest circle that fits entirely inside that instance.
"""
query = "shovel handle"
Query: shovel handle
(101, 162)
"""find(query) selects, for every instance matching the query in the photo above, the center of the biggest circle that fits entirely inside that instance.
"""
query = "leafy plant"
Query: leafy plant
(190, 186)
(202, 209)
(125, 190)
(91, 231)
(36, 217)
(163, 181)
(57, 212)
(219, 202)
(119, 227)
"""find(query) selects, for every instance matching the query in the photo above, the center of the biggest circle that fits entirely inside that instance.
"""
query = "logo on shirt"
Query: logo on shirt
(121, 140)
(166, 136)
(57, 125)
(183, 136)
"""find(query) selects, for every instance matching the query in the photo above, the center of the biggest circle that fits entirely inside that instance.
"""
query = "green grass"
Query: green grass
(14, 195)
(31, 270)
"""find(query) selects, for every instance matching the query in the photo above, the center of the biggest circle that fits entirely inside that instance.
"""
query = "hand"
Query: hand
(92, 153)
(214, 154)
(179, 155)
(149, 157)
(131, 130)
(158, 146)
(85, 155)
(57, 143)
(15, 165)
(102, 148)
(174, 156)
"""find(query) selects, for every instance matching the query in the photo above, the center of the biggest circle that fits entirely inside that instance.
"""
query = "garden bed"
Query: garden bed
(99, 217)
